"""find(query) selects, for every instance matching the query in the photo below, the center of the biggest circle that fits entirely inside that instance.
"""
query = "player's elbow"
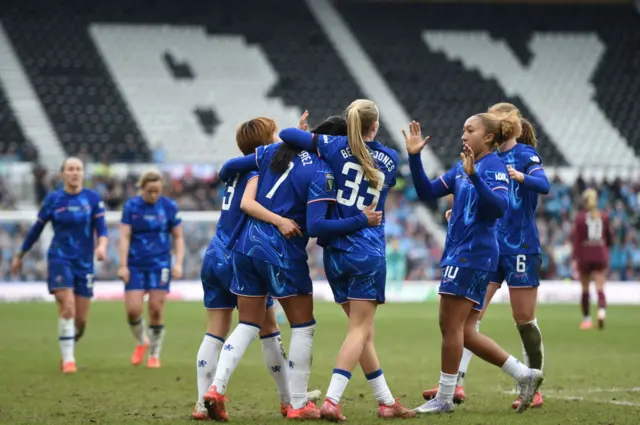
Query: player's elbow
(245, 205)
(287, 134)
(545, 187)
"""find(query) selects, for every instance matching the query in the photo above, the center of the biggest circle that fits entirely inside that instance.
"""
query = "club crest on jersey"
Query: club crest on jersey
(329, 182)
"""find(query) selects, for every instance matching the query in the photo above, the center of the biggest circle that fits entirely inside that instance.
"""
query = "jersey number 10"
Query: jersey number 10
(354, 185)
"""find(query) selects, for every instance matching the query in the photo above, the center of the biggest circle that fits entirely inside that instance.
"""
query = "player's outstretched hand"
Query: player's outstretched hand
(414, 141)
(374, 218)
(468, 160)
(302, 124)
(16, 265)
(289, 228)
(176, 271)
(447, 215)
(515, 175)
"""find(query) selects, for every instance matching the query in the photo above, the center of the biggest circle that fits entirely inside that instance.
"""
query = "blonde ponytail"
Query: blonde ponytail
(590, 199)
(361, 115)
(528, 136)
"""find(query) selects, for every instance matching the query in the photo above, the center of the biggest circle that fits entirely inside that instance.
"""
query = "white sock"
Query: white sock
(66, 339)
(232, 352)
(602, 313)
(156, 336)
(300, 358)
(137, 329)
(338, 384)
(467, 355)
(514, 368)
(446, 387)
(206, 362)
(380, 388)
(276, 360)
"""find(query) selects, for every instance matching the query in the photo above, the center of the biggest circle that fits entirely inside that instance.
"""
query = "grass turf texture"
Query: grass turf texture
(590, 375)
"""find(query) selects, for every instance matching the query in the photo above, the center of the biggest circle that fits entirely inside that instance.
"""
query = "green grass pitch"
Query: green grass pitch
(592, 377)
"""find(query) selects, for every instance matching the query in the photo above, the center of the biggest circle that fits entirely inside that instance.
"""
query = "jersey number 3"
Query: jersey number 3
(231, 189)
(354, 185)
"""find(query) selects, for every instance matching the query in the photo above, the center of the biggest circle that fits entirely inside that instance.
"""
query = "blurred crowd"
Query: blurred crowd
(411, 252)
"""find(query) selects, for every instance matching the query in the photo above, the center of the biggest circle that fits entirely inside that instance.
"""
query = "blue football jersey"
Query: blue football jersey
(231, 213)
(151, 226)
(307, 179)
(517, 230)
(354, 193)
(75, 221)
(471, 236)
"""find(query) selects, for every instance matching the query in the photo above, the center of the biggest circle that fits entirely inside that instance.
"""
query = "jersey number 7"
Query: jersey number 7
(354, 185)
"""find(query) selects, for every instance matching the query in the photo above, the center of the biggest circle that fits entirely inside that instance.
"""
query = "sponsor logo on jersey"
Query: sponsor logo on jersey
(502, 177)
(535, 159)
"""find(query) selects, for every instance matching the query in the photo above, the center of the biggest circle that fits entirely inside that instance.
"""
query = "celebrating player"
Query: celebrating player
(591, 242)
(355, 263)
(479, 184)
(217, 272)
(297, 185)
(520, 250)
(149, 222)
(77, 214)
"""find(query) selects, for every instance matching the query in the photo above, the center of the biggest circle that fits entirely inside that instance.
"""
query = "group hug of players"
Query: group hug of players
(330, 183)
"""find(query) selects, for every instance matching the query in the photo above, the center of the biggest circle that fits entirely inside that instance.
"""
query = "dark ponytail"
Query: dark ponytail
(282, 158)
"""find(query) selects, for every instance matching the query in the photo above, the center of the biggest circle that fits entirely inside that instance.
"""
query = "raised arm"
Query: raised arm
(426, 189)
(249, 205)
(494, 199)
(238, 165)
(299, 138)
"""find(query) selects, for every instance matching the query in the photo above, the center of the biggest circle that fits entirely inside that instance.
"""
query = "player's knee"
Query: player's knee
(155, 313)
(67, 310)
(523, 317)
(270, 325)
(134, 314)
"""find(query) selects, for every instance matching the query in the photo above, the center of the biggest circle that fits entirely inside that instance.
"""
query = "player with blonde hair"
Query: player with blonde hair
(150, 222)
(520, 250)
(591, 241)
(77, 217)
(355, 263)
(480, 186)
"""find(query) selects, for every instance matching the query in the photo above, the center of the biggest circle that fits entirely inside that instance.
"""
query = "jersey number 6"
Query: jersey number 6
(354, 185)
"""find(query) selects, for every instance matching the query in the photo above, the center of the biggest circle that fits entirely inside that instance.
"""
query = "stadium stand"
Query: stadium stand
(13, 144)
(563, 60)
(142, 81)
(107, 92)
